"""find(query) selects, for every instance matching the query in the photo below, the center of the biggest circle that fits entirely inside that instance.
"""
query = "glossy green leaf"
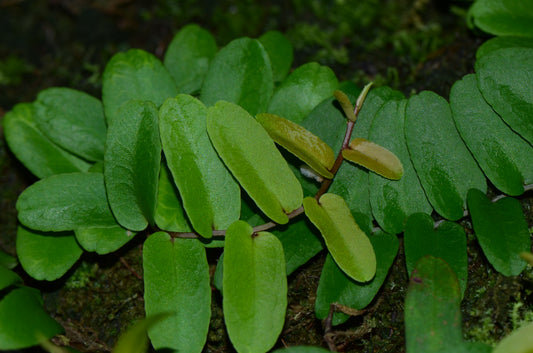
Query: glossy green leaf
(501, 42)
(393, 201)
(8, 278)
(505, 158)
(240, 73)
(188, 56)
(169, 212)
(251, 156)
(280, 52)
(176, 281)
(518, 341)
(504, 80)
(103, 240)
(444, 165)
(46, 256)
(301, 349)
(374, 157)
(135, 74)
(135, 339)
(23, 319)
(336, 287)
(132, 162)
(210, 195)
(300, 142)
(447, 242)
(255, 288)
(74, 120)
(501, 230)
(347, 243)
(65, 202)
(432, 309)
(502, 17)
(303, 90)
(36, 151)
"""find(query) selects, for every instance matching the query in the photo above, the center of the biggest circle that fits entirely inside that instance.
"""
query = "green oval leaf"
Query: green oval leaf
(280, 52)
(65, 202)
(46, 256)
(132, 161)
(432, 309)
(23, 320)
(502, 17)
(103, 240)
(444, 165)
(447, 242)
(255, 288)
(176, 281)
(374, 157)
(135, 74)
(36, 151)
(505, 158)
(504, 80)
(303, 90)
(496, 43)
(210, 195)
(240, 73)
(188, 56)
(74, 120)
(393, 201)
(300, 142)
(253, 159)
(336, 287)
(346, 242)
(501, 230)
(519, 341)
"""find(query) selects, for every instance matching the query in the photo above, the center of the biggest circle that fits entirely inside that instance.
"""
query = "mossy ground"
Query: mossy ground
(409, 45)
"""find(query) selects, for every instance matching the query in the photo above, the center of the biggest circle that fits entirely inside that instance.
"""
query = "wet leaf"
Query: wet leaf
(255, 288)
(280, 52)
(176, 281)
(505, 158)
(501, 230)
(132, 162)
(36, 151)
(501, 17)
(74, 120)
(210, 195)
(103, 240)
(300, 142)
(240, 73)
(346, 242)
(303, 90)
(444, 165)
(251, 156)
(188, 56)
(374, 157)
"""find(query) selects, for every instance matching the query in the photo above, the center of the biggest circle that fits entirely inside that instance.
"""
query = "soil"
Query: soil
(67, 43)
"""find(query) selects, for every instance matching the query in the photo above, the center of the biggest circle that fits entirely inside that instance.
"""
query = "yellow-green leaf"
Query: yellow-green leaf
(374, 157)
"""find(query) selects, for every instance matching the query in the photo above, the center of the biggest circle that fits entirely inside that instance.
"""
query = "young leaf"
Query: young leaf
(46, 256)
(519, 341)
(432, 309)
(65, 202)
(40, 155)
(300, 142)
(255, 288)
(505, 158)
(336, 287)
(132, 162)
(504, 80)
(345, 241)
(501, 230)
(374, 157)
(103, 240)
(444, 165)
(135, 74)
(188, 56)
(280, 52)
(23, 319)
(303, 90)
(176, 281)
(393, 201)
(210, 195)
(74, 120)
(252, 157)
(447, 242)
(346, 105)
(135, 339)
(500, 17)
(240, 73)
